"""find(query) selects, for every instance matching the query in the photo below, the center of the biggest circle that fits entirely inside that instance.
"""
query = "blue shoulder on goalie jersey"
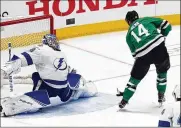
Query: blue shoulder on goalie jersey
(28, 58)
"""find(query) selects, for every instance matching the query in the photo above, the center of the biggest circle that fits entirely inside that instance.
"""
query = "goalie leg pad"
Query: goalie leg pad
(41, 96)
(74, 80)
(81, 88)
(89, 90)
(31, 101)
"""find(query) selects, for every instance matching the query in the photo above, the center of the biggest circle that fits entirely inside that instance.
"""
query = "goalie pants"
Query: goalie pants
(158, 56)
(64, 93)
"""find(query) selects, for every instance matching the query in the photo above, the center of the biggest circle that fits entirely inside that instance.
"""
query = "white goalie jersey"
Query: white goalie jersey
(50, 64)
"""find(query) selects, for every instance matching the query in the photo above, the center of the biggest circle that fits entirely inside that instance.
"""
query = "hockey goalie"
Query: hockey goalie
(54, 79)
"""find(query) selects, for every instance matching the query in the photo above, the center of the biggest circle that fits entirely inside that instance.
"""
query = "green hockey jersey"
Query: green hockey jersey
(145, 34)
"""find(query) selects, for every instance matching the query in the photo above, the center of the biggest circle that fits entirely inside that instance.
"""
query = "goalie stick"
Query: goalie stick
(10, 76)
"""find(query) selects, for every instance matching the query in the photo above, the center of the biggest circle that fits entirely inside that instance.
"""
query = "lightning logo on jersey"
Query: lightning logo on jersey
(60, 64)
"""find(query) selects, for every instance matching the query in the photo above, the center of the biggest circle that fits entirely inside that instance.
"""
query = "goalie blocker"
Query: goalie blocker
(44, 96)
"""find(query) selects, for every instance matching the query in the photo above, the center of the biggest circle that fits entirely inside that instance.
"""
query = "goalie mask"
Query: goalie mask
(176, 93)
(51, 41)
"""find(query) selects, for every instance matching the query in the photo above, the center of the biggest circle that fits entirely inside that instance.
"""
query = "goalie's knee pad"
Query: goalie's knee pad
(81, 87)
(74, 81)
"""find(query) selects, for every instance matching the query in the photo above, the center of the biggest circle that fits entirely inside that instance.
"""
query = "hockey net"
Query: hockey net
(24, 31)
(17, 79)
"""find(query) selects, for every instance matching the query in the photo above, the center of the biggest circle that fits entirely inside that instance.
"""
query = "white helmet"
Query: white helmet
(176, 93)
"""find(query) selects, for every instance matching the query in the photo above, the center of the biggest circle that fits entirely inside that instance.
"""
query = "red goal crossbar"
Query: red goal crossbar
(29, 19)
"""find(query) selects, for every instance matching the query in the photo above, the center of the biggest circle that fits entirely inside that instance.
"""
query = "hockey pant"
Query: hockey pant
(158, 56)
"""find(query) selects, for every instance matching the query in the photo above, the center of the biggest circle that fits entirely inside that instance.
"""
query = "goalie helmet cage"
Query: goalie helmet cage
(24, 31)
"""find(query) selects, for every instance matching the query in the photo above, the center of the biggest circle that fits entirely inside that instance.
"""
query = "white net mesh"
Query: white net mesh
(18, 80)
(24, 31)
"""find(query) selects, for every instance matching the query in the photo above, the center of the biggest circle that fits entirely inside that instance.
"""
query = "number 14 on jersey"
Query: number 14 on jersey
(141, 31)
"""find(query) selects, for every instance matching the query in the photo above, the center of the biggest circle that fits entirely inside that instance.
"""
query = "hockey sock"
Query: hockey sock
(131, 88)
(161, 82)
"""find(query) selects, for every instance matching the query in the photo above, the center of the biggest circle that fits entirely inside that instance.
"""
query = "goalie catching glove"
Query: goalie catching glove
(11, 67)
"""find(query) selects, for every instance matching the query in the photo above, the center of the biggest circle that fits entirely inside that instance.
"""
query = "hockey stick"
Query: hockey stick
(10, 76)
(119, 93)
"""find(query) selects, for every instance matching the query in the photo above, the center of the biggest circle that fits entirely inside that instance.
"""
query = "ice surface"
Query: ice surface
(105, 59)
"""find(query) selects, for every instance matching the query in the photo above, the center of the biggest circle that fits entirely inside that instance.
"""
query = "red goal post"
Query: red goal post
(25, 31)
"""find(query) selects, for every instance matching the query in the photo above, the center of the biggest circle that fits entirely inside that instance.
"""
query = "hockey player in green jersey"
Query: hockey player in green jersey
(146, 40)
